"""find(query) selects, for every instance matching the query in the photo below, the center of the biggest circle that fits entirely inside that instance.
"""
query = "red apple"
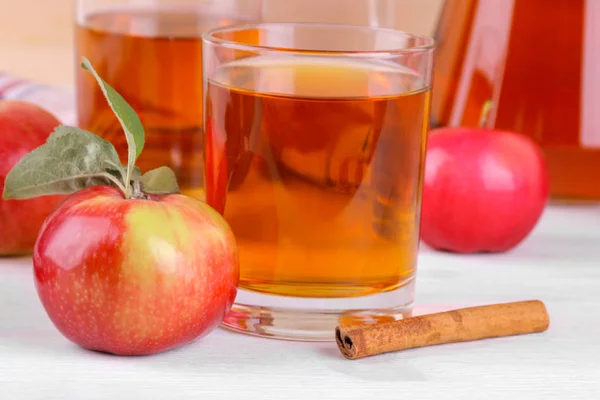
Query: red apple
(484, 190)
(125, 264)
(135, 277)
(23, 127)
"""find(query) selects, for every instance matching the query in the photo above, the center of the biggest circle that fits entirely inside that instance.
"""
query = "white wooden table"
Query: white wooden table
(559, 264)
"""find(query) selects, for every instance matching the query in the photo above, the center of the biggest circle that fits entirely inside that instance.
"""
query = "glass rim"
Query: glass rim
(429, 42)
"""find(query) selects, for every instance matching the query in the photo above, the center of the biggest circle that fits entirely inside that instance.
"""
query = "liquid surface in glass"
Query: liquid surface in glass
(317, 163)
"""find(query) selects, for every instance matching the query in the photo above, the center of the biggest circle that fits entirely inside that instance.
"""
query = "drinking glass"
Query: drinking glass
(315, 139)
(150, 51)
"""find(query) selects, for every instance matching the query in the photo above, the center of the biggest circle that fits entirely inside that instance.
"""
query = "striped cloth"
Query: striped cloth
(59, 101)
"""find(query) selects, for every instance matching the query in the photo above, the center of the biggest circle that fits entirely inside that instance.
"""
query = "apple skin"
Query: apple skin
(135, 277)
(484, 190)
(23, 127)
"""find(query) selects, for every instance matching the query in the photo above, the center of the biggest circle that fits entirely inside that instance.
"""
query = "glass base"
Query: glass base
(314, 319)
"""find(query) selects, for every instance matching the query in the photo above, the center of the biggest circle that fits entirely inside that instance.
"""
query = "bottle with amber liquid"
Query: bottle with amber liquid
(151, 53)
(538, 62)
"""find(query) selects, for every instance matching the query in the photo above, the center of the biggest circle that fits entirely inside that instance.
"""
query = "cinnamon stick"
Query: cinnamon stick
(467, 324)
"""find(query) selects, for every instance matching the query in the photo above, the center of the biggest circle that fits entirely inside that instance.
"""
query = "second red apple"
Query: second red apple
(484, 190)
(23, 127)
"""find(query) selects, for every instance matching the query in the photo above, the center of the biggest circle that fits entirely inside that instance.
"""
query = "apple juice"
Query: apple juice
(318, 164)
(538, 61)
(153, 58)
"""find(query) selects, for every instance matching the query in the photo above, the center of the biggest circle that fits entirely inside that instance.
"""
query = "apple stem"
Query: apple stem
(137, 193)
(485, 113)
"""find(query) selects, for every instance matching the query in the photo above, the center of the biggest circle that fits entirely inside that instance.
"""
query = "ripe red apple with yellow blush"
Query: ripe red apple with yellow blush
(23, 127)
(126, 264)
(484, 190)
(135, 276)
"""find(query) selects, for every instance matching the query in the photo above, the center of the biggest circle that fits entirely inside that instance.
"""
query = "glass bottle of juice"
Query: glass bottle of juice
(538, 61)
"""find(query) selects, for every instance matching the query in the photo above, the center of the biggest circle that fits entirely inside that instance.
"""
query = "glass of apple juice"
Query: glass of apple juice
(314, 143)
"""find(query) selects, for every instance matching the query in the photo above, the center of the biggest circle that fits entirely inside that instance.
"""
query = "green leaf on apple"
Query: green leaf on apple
(160, 181)
(136, 174)
(72, 159)
(130, 121)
